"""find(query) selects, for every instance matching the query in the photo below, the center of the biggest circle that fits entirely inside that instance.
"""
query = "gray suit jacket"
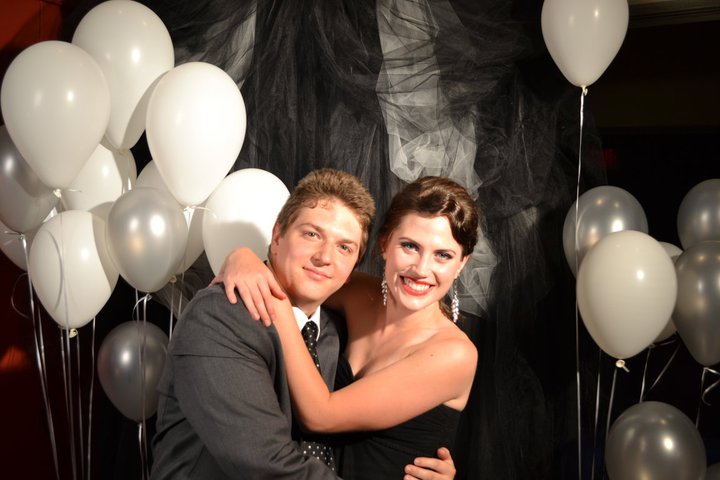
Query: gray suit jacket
(224, 409)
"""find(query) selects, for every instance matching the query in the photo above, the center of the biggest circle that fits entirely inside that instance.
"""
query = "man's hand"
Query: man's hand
(256, 284)
(440, 468)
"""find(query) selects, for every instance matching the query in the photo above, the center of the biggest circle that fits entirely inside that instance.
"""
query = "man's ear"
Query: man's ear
(275, 239)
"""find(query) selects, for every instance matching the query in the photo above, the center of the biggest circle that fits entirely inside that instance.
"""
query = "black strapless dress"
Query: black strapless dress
(383, 454)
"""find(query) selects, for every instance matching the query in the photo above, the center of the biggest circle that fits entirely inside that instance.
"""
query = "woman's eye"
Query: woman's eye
(346, 248)
(444, 256)
(408, 245)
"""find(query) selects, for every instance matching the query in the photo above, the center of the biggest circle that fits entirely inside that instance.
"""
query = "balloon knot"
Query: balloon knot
(58, 193)
(621, 364)
(72, 333)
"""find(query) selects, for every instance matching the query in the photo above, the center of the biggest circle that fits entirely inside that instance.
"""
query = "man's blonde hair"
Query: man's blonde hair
(329, 184)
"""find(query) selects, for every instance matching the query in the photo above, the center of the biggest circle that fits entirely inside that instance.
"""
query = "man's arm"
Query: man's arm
(223, 384)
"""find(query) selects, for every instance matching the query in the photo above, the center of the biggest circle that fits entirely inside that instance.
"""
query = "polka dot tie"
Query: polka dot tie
(315, 449)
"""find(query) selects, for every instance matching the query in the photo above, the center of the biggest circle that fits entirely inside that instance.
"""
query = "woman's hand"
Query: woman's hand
(243, 271)
(440, 468)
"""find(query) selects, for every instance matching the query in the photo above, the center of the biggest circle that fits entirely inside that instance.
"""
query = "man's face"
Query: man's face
(317, 253)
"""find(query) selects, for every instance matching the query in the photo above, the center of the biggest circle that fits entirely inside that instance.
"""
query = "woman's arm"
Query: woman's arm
(435, 374)
(243, 271)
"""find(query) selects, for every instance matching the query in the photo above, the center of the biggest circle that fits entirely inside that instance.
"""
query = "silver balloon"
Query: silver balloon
(713, 472)
(697, 310)
(654, 441)
(147, 235)
(24, 200)
(600, 211)
(127, 351)
(698, 217)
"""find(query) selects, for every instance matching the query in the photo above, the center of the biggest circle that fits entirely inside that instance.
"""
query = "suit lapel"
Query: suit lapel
(328, 349)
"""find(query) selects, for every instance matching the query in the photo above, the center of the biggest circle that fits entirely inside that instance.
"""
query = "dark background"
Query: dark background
(657, 110)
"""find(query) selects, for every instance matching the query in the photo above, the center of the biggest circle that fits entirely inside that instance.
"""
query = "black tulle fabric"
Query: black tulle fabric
(392, 90)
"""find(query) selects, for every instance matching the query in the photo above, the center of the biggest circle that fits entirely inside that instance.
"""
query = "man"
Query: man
(224, 409)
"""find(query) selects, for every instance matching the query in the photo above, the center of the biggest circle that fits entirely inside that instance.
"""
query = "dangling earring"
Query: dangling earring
(454, 304)
(383, 288)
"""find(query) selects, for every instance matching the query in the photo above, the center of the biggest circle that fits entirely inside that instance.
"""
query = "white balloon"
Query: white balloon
(70, 267)
(107, 174)
(195, 129)
(583, 36)
(626, 291)
(133, 48)
(24, 200)
(11, 245)
(150, 177)
(242, 212)
(673, 252)
(56, 106)
(195, 245)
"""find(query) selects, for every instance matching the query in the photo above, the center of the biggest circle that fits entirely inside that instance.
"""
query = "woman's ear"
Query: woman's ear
(462, 265)
(382, 246)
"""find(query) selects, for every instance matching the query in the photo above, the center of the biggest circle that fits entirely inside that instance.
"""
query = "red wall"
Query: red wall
(25, 448)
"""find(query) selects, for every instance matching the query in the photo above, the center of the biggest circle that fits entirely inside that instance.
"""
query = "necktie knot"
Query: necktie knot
(309, 333)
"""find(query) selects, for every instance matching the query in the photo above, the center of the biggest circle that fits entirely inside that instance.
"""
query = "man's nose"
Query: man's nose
(323, 253)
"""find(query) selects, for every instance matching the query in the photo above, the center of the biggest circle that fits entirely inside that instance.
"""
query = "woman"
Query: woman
(407, 369)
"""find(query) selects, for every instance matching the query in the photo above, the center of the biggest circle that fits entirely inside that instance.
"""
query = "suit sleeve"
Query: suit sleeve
(222, 363)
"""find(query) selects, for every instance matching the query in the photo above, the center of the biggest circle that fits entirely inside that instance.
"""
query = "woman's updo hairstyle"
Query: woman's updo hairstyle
(435, 196)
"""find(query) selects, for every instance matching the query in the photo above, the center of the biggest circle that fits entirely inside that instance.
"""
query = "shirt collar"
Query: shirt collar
(301, 318)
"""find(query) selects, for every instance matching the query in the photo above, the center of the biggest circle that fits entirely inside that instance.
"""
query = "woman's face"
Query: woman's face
(421, 261)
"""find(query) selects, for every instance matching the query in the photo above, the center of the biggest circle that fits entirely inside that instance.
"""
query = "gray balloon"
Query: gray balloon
(713, 472)
(697, 309)
(147, 235)
(654, 441)
(698, 217)
(127, 351)
(24, 200)
(600, 211)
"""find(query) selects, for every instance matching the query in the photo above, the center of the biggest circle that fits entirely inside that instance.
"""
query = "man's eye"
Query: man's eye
(346, 248)
(311, 234)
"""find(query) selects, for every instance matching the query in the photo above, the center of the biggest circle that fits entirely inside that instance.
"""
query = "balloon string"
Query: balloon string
(66, 362)
(647, 361)
(662, 372)
(172, 305)
(188, 213)
(577, 320)
(704, 391)
(610, 403)
(597, 411)
(141, 434)
(68, 333)
(180, 298)
(702, 387)
(90, 398)
(79, 403)
(39, 343)
(711, 387)
(141, 356)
